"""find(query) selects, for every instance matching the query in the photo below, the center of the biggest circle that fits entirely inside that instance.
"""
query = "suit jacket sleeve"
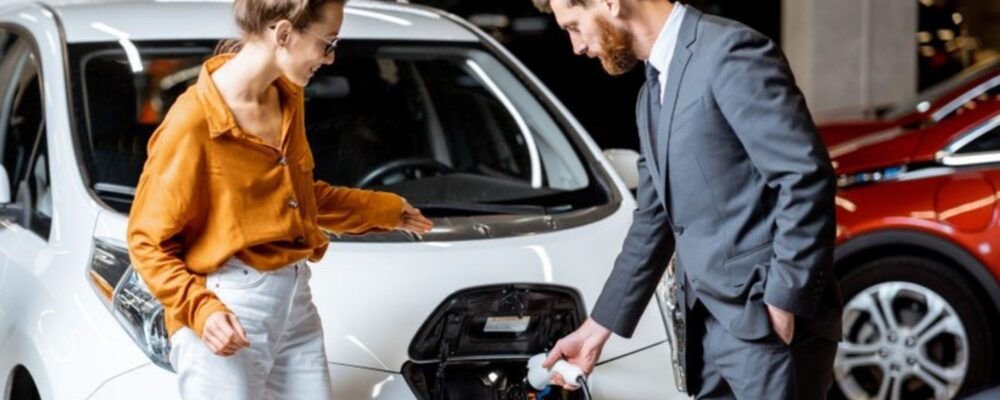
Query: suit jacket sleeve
(643, 258)
(757, 95)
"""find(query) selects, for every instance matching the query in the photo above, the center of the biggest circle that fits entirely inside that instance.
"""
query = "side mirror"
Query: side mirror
(4, 186)
(624, 163)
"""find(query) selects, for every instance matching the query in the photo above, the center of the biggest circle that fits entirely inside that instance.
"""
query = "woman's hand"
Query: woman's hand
(223, 334)
(414, 221)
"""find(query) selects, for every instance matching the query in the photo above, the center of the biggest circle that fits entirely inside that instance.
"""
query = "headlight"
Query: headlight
(125, 294)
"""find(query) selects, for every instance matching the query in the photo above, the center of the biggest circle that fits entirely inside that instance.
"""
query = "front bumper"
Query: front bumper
(642, 375)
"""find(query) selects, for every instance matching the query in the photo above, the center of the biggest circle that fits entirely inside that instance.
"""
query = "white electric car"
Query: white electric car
(529, 212)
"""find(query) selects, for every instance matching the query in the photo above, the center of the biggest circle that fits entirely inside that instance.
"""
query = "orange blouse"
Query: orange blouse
(210, 191)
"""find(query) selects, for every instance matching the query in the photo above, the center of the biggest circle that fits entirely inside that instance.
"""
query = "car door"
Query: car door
(967, 202)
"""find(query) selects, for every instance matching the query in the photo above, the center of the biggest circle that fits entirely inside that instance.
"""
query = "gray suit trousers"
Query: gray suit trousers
(765, 368)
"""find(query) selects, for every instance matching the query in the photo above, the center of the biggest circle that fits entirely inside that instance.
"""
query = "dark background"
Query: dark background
(605, 105)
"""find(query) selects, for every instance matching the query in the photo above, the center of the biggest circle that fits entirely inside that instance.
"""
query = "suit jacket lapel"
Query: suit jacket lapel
(682, 54)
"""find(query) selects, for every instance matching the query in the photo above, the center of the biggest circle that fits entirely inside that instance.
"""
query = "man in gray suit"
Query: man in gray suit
(732, 175)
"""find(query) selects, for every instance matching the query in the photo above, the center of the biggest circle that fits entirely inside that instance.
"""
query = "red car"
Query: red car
(918, 253)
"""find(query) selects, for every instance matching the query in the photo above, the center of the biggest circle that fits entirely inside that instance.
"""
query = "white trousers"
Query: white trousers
(286, 358)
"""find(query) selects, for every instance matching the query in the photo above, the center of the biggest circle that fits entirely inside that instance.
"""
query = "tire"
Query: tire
(941, 357)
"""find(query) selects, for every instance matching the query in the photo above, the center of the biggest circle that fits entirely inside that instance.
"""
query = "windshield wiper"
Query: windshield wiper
(482, 208)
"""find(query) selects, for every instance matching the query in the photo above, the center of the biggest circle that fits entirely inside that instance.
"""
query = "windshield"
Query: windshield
(447, 126)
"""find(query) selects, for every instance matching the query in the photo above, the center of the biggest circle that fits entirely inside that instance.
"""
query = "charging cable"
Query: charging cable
(584, 387)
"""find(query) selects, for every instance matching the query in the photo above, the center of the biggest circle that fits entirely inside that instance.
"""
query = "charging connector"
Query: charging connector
(539, 377)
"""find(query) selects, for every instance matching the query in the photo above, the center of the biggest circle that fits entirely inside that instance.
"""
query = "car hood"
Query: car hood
(890, 146)
(373, 298)
(837, 132)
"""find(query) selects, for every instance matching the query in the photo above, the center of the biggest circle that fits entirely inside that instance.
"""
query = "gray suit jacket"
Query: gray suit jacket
(740, 182)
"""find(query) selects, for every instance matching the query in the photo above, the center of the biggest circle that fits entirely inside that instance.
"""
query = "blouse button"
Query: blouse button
(292, 203)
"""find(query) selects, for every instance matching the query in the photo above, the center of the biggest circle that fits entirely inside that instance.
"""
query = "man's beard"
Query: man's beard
(617, 57)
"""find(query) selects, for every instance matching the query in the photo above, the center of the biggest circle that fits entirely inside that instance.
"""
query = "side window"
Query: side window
(25, 153)
(14, 146)
(39, 185)
(987, 142)
(6, 40)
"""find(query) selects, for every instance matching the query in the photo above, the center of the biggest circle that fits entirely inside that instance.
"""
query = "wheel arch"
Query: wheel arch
(20, 383)
(854, 252)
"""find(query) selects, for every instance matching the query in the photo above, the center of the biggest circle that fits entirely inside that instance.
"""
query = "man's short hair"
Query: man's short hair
(543, 5)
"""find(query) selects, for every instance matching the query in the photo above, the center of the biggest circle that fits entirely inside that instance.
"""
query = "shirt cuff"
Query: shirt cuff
(387, 210)
(211, 306)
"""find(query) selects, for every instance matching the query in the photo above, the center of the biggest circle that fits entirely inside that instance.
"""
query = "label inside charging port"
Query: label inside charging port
(508, 324)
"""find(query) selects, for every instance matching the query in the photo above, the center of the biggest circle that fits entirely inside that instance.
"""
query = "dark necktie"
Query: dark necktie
(653, 91)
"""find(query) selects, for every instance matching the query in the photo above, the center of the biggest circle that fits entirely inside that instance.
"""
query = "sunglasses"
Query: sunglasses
(331, 45)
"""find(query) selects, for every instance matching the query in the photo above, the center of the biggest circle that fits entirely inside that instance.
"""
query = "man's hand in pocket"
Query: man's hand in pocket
(782, 322)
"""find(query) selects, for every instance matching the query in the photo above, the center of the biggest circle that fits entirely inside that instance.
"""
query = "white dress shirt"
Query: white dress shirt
(663, 49)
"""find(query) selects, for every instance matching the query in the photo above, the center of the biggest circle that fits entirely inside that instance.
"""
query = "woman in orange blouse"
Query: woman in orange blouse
(226, 211)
